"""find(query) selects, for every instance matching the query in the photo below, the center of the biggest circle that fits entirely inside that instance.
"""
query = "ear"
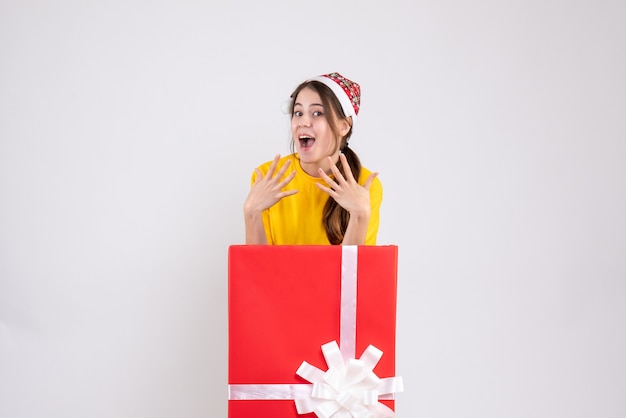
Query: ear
(345, 125)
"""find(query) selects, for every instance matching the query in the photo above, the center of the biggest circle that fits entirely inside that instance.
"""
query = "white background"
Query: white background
(128, 134)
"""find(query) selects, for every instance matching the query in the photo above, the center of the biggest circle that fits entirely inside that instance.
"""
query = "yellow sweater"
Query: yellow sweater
(297, 219)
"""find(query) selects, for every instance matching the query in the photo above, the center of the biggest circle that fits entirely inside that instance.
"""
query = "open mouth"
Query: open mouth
(306, 141)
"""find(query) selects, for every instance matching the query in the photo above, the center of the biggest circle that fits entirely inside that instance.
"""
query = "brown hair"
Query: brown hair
(334, 218)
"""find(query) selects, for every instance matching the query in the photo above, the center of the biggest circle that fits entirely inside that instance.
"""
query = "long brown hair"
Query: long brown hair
(334, 218)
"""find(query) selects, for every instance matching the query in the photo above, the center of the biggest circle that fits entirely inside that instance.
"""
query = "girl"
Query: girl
(327, 197)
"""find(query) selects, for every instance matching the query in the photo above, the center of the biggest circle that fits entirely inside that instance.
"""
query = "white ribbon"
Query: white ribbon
(347, 323)
(349, 388)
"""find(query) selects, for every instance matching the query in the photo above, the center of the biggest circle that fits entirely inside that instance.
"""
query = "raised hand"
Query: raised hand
(348, 193)
(268, 189)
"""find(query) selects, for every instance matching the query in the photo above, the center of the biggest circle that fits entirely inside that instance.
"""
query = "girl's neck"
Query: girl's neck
(312, 169)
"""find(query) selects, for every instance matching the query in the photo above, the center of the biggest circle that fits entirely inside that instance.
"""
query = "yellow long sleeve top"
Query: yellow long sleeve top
(297, 219)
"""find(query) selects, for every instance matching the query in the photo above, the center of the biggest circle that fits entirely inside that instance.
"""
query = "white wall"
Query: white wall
(128, 133)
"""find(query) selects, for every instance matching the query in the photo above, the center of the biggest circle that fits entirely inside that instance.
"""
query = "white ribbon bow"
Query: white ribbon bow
(347, 389)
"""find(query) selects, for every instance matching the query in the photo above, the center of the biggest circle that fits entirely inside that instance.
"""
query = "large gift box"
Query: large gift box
(311, 331)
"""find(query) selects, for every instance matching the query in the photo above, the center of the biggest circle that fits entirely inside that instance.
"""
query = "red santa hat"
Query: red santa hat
(347, 92)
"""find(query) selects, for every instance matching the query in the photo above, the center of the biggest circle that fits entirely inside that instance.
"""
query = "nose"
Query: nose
(304, 121)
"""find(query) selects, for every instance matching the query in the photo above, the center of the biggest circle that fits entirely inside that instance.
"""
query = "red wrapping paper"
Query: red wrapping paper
(284, 303)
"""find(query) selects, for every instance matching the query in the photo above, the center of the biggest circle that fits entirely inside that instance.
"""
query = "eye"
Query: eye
(297, 113)
(318, 113)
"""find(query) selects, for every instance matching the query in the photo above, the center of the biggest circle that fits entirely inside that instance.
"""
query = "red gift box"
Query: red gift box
(285, 302)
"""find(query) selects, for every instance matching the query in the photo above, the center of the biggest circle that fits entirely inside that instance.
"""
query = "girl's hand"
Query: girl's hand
(348, 193)
(268, 190)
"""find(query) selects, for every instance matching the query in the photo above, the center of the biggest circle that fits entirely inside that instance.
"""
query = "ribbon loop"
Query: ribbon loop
(371, 356)
(391, 385)
(309, 372)
(332, 355)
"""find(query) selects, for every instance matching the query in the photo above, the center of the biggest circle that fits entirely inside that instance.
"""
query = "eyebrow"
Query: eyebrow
(312, 104)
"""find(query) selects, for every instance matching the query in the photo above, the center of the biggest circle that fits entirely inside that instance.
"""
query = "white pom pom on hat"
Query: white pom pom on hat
(285, 107)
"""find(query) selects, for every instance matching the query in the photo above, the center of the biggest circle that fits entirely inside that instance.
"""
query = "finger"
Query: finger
(329, 180)
(287, 180)
(288, 193)
(327, 190)
(346, 168)
(270, 172)
(369, 181)
(259, 175)
(338, 177)
(283, 170)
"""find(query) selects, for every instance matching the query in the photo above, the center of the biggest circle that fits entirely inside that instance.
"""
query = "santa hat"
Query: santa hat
(347, 92)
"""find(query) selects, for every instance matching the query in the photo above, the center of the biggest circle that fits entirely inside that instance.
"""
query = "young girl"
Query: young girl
(319, 194)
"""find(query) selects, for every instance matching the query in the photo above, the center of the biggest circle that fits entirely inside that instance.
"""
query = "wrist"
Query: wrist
(361, 214)
(251, 214)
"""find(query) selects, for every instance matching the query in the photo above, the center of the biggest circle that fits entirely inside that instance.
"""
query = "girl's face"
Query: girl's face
(312, 135)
